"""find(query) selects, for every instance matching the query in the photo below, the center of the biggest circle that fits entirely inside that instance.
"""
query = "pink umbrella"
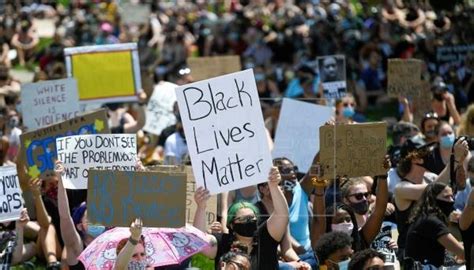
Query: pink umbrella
(164, 246)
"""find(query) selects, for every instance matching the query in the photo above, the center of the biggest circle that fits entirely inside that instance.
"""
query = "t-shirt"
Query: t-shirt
(422, 240)
(175, 146)
(299, 218)
(263, 255)
(468, 241)
(434, 162)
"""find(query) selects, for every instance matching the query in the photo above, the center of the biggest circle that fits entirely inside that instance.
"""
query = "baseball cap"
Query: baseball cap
(415, 143)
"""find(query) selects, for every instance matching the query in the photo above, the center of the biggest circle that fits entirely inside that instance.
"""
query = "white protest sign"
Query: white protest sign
(159, 110)
(49, 102)
(225, 132)
(101, 151)
(11, 202)
(297, 134)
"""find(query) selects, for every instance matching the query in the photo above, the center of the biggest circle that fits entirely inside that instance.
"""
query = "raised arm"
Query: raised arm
(372, 227)
(41, 214)
(452, 108)
(71, 238)
(318, 227)
(306, 182)
(125, 255)
(20, 251)
(201, 197)
(461, 152)
(278, 221)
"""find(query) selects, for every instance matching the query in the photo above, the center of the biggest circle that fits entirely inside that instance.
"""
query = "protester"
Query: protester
(466, 127)
(367, 259)
(440, 154)
(466, 225)
(242, 223)
(443, 104)
(236, 259)
(428, 236)
(131, 253)
(334, 250)
(428, 125)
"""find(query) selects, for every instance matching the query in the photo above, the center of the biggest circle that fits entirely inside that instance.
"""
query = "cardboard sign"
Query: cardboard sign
(332, 70)
(203, 68)
(39, 146)
(45, 27)
(404, 77)
(10, 194)
(225, 133)
(191, 206)
(421, 104)
(359, 149)
(134, 13)
(159, 110)
(49, 102)
(297, 134)
(102, 151)
(116, 198)
(105, 73)
(453, 54)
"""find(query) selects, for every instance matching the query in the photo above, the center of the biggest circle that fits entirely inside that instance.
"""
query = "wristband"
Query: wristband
(132, 241)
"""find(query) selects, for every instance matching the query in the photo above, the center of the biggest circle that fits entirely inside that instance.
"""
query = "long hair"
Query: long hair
(427, 204)
(234, 208)
(466, 127)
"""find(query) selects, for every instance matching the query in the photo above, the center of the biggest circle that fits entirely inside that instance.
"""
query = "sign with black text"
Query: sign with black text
(11, 202)
(101, 151)
(49, 102)
(225, 132)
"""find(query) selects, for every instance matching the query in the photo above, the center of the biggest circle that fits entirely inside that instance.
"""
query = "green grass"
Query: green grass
(202, 262)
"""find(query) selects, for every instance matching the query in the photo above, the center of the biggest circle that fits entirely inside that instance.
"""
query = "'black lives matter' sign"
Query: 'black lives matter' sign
(225, 132)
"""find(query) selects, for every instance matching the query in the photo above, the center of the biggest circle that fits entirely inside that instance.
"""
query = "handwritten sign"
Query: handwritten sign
(203, 68)
(102, 151)
(39, 146)
(49, 102)
(116, 198)
(191, 206)
(134, 13)
(353, 150)
(225, 133)
(404, 77)
(159, 111)
(296, 137)
(421, 104)
(10, 194)
(105, 73)
(332, 69)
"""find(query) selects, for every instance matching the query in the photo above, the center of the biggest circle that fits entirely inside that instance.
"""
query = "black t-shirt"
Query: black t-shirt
(468, 241)
(434, 162)
(263, 213)
(422, 240)
(263, 255)
(402, 224)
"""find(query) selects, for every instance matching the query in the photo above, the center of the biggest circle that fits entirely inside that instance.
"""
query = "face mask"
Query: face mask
(259, 77)
(95, 230)
(343, 227)
(360, 208)
(446, 207)
(438, 97)
(430, 134)
(348, 112)
(288, 185)
(246, 229)
(447, 141)
(344, 265)
(134, 265)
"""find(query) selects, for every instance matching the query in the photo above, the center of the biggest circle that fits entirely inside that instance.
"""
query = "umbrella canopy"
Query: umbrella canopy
(163, 246)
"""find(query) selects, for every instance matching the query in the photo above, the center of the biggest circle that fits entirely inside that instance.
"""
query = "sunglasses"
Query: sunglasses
(245, 219)
(287, 170)
(360, 196)
(431, 115)
(347, 104)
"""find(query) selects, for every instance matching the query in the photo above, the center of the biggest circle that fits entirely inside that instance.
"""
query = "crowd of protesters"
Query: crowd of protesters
(295, 220)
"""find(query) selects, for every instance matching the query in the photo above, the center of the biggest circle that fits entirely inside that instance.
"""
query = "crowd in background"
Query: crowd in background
(290, 222)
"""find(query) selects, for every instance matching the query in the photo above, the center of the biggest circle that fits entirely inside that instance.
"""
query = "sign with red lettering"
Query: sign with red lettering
(49, 102)
(225, 133)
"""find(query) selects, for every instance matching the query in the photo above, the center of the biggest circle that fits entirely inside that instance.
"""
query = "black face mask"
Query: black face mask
(246, 229)
(360, 208)
(438, 96)
(446, 207)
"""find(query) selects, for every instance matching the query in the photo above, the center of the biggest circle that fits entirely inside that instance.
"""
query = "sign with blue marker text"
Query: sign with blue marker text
(10, 194)
(225, 132)
(49, 102)
(102, 151)
(39, 146)
(116, 198)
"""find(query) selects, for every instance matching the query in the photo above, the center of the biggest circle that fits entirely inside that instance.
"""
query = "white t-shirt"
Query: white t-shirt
(176, 147)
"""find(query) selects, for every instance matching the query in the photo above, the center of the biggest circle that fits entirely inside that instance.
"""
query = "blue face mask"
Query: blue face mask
(344, 265)
(259, 77)
(447, 141)
(348, 112)
(95, 230)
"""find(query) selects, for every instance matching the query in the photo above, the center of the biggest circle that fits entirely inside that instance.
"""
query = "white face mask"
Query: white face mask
(344, 265)
(343, 227)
